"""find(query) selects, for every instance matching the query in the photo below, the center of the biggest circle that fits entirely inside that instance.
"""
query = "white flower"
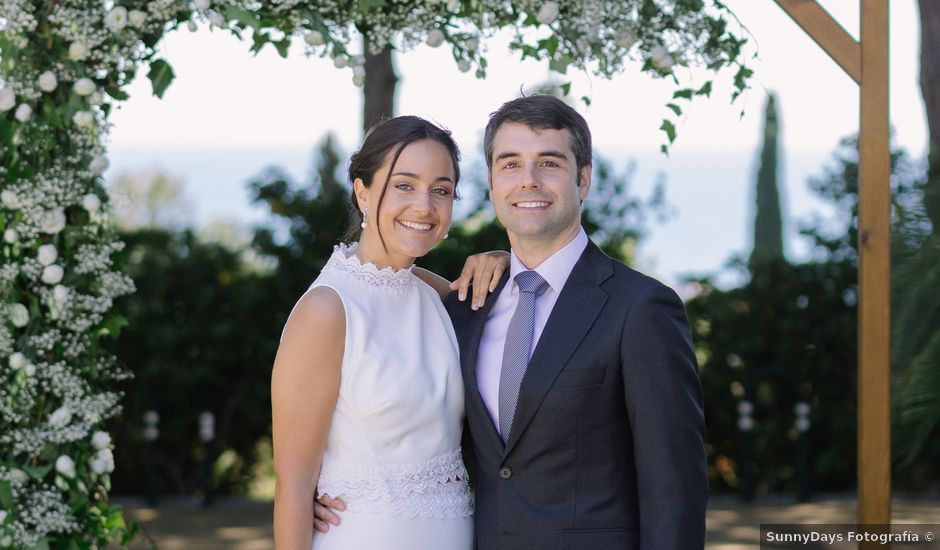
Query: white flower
(47, 254)
(314, 38)
(547, 13)
(360, 71)
(10, 236)
(359, 81)
(463, 65)
(626, 40)
(103, 462)
(78, 51)
(30, 369)
(9, 199)
(472, 44)
(3, 515)
(7, 99)
(191, 25)
(435, 38)
(340, 61)
(217, 19)
(359, 60)
(19, 315)
(98, 164)
(95, 98)
(201, 4)
(84, 119)
(84, 86)
(52, 274)
(18, 476)
(98, 466)
(60, 417)
(23, 113)
(18, 361)
(60, 293)
(48, 81)
(53, 221)
(116, 19)
(137, 18)
(100, 440)
(661, 57)
(65, 466)
(91, 202)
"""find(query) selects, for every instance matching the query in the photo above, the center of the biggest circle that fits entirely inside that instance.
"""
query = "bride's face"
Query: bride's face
(416, 210)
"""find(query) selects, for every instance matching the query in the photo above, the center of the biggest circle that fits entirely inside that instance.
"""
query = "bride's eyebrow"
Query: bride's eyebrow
(412, 175)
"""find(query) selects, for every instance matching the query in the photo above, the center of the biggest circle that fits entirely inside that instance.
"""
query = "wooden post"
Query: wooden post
(874, 273)
(866, 62)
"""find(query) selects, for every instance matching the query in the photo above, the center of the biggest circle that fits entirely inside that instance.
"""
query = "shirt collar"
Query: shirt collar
(556, 268)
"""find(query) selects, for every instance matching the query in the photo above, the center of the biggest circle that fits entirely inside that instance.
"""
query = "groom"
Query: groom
(582, 393)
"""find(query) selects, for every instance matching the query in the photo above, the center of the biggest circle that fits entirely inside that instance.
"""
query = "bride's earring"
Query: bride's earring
(365, 212)
(446, 235)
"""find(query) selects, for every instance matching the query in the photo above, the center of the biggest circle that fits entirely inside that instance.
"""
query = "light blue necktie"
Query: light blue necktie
(518, 348)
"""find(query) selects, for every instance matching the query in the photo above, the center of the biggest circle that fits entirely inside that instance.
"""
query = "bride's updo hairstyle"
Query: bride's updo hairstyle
(385, 140)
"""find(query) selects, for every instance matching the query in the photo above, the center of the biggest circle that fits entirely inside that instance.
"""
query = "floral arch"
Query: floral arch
(65, 63)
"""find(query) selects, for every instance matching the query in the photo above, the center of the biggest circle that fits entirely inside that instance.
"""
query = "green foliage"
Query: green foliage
(796, 317)
(915, 351)
(803, 318)
(160, 75)
(199, 338)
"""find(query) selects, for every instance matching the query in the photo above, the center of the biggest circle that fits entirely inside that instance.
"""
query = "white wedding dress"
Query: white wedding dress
(393, 451)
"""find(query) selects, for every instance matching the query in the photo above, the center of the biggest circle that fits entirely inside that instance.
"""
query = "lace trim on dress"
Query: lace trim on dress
(435, 488)
(344, 260)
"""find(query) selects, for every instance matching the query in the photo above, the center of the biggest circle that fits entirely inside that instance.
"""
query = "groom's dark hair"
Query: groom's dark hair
(541, 112)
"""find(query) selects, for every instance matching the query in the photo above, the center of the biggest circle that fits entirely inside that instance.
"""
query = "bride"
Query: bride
(366, 390)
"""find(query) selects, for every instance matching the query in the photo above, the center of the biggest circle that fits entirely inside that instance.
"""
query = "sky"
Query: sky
(229, 114)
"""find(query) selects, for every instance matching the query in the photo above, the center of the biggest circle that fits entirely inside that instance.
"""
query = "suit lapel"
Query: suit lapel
(575, 311)
(470, 350)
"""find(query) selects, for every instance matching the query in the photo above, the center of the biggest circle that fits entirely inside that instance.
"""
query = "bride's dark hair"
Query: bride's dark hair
(393, 134)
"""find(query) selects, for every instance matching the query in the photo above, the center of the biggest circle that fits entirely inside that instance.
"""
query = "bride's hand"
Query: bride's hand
(482, 272)
(323, 513)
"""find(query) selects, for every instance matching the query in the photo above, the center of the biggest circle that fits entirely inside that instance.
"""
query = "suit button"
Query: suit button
(505, 472)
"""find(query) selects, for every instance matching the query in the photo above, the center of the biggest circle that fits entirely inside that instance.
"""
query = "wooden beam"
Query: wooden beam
(827, 32)
(874, 246)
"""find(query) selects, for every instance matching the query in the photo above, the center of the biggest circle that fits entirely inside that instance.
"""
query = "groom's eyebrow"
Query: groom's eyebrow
(554, 154)
(551, 153)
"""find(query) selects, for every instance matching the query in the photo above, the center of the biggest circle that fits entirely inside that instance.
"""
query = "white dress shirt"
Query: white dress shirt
(555, 270)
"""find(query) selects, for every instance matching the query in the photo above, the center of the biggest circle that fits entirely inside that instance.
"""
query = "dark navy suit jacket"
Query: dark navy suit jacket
(607, 446)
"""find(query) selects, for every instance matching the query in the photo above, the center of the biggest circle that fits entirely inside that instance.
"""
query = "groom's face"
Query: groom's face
(535, 184)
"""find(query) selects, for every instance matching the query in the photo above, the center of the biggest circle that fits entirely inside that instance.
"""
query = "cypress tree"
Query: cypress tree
(768, 220)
